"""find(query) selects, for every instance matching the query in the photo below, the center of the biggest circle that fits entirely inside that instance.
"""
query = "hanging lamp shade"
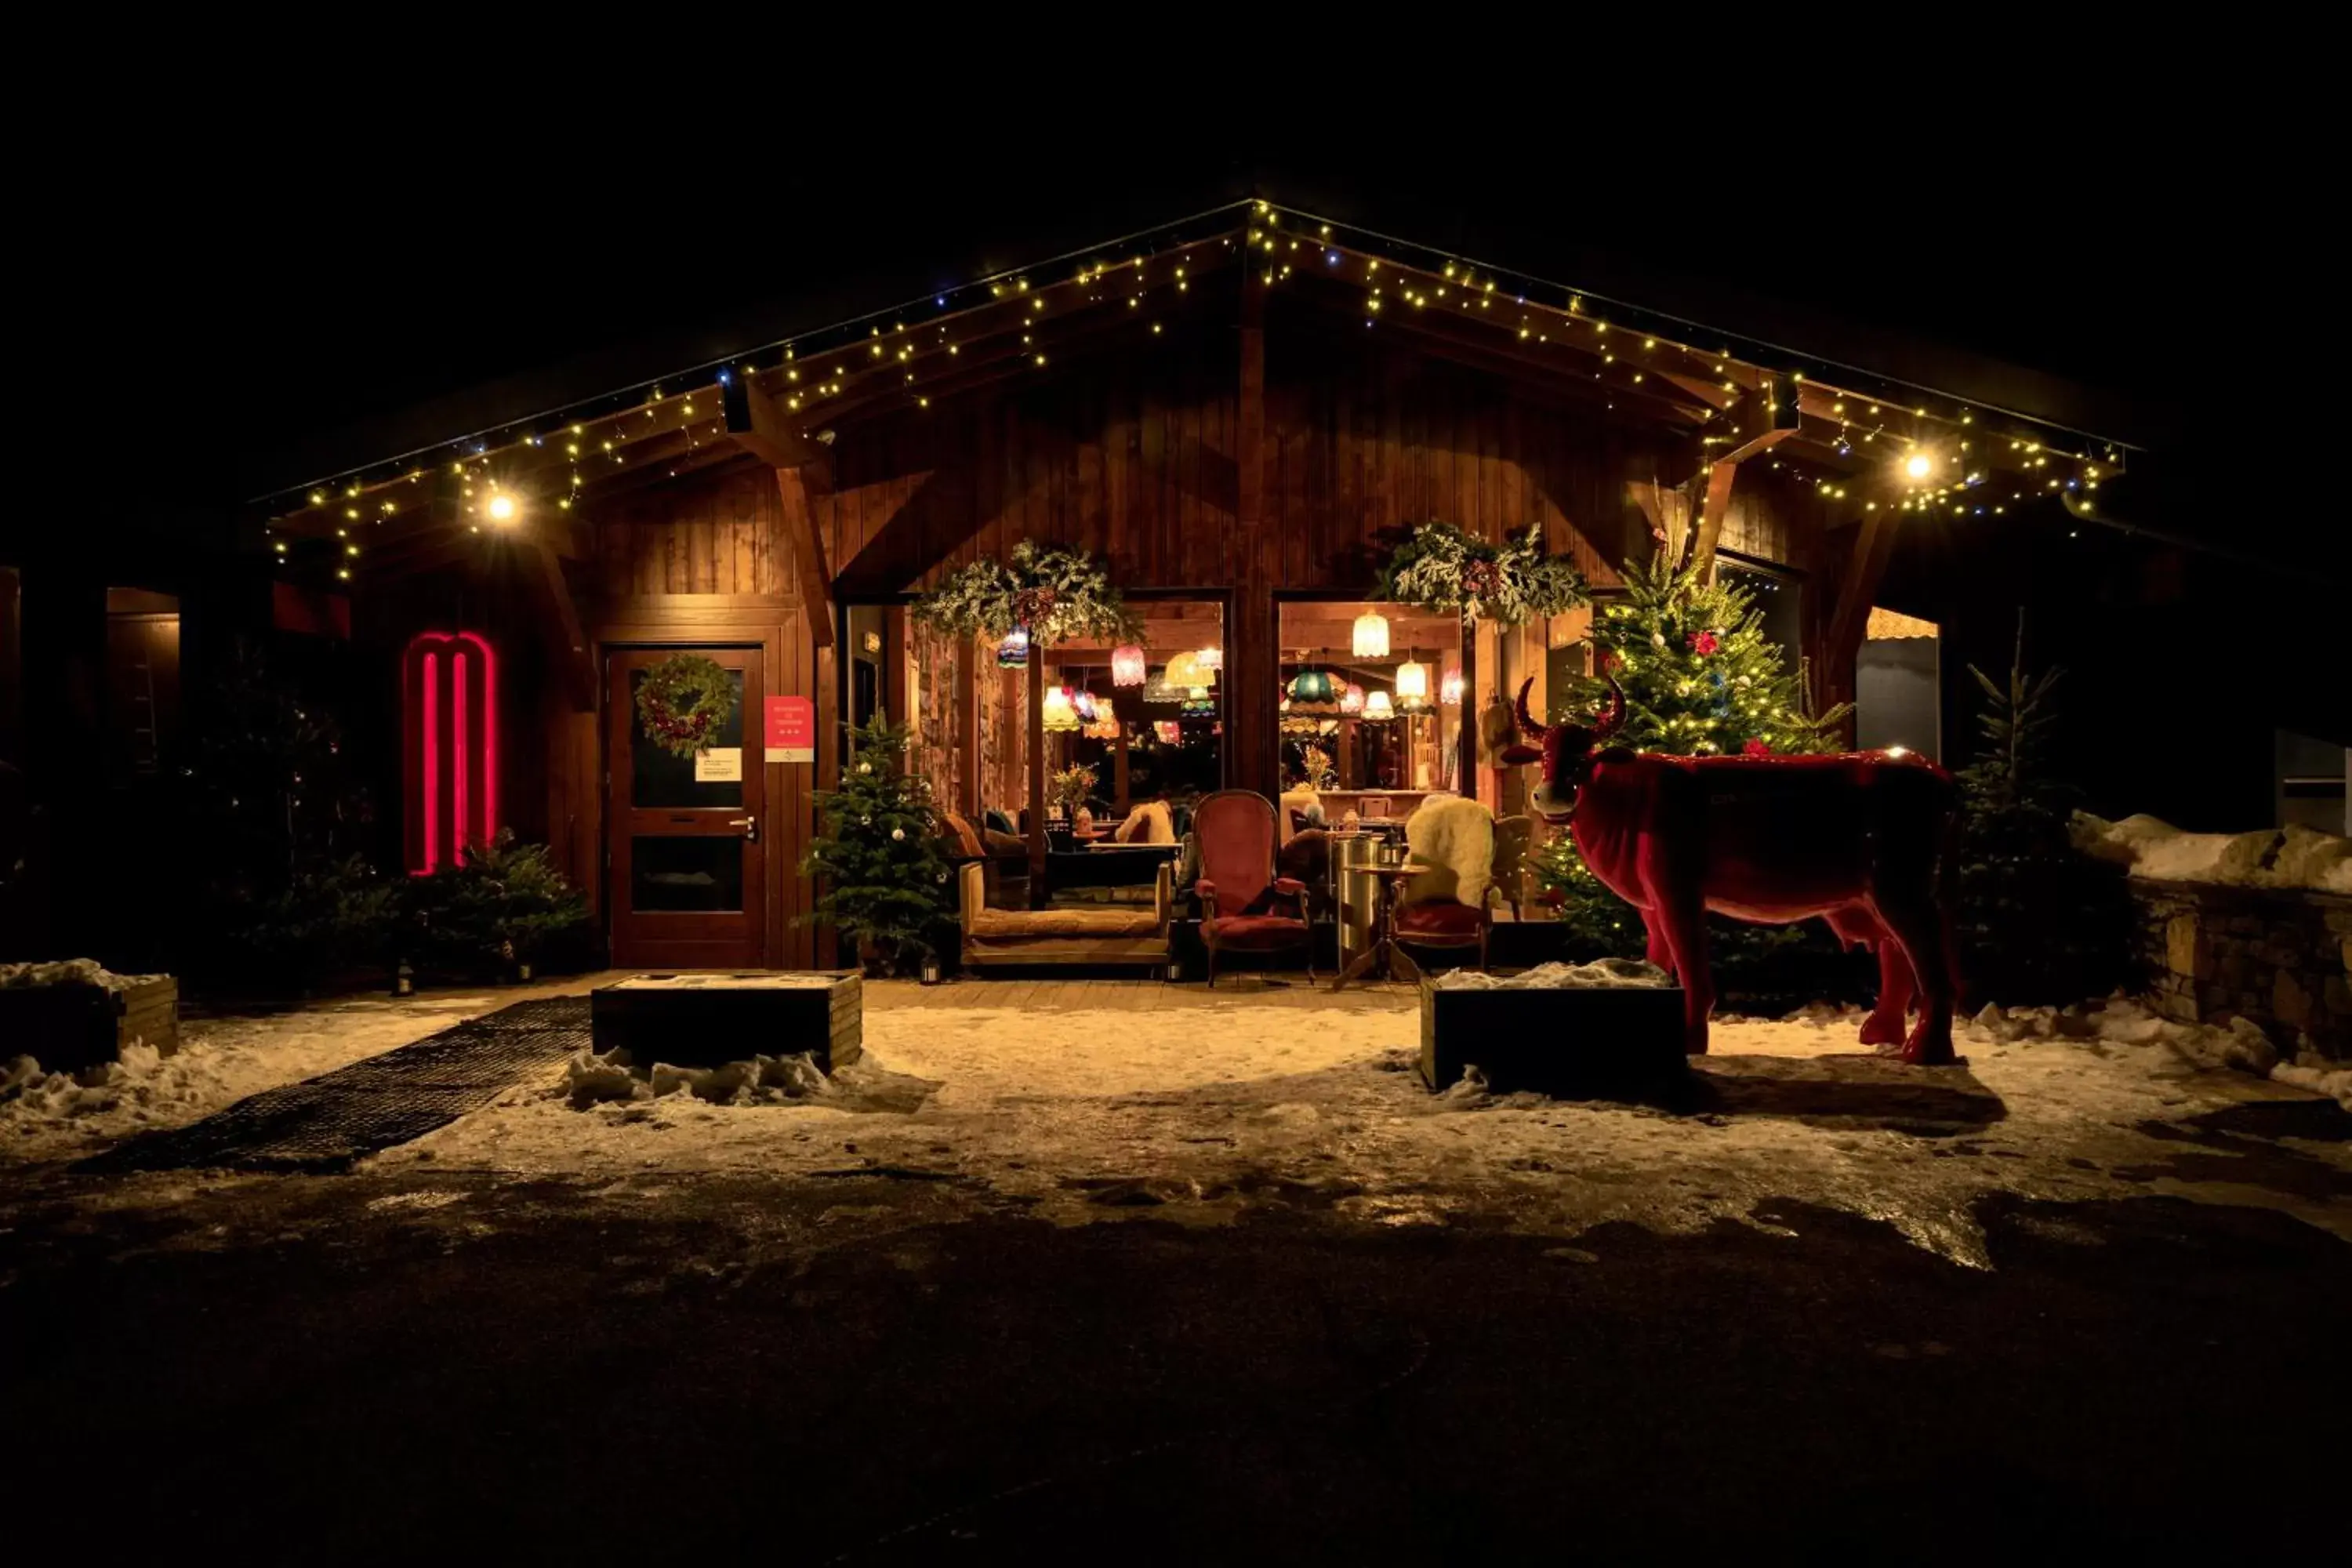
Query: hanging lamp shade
(1168, 730)
(1353, 700)
(1083, 701)
(1211, 660)
(1449, 690)
(1413, 686)
(1312, 686)
(1126, 666)
(1184, 670)
(1160, 688)
(1061, 713)
(1378, 706)
(1103, 728)
(1012, 653)
(1370, 639)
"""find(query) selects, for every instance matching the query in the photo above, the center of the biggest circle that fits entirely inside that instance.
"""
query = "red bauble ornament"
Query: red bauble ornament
(1606, 662)
(1704, 643)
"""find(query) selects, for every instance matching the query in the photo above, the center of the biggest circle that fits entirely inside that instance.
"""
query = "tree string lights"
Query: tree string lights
(1941, 457)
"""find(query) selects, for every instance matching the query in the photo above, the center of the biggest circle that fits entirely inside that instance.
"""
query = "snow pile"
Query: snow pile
(143, 1082)
(1601, 974)
(592, 1079)
(68, 972)
(2319, 1074)
(2240, 1045)
(2294, 856)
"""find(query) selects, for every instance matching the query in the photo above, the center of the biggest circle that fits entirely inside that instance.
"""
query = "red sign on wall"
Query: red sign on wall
(791, 729)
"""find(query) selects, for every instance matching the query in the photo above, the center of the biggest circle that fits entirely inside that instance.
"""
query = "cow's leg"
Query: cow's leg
(1683, 923)
(1887, 1022)
(1917, 928)
(1657, 951)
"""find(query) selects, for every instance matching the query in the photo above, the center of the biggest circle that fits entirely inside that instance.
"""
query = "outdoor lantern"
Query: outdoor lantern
(1449, 692)
(1311, 686)
(1372, 635)
(1126, 666)
(1061, 714)
(1413, 686)
(1184, 670)
(1353, 700)
(1211, 660)
(1012, 653)
(1377, 706)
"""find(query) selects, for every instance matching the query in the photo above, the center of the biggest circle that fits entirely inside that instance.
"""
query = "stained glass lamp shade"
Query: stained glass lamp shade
(1061, 714)
(1369, 636)
(1311, 686)
(1378, 706)
(1353, 700)
(1126, 666)
(1012, 653)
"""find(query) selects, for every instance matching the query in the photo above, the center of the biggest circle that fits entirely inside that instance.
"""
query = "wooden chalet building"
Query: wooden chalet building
(1240, 414)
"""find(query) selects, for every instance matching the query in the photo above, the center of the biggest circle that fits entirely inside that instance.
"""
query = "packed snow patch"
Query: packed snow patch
(1601, 974)
(69, 972)
(594, 1079)
(2293, 856)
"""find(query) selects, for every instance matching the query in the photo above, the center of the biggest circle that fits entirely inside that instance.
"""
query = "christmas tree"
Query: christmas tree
(1701, 679)
(885, 881)
(2038, 921)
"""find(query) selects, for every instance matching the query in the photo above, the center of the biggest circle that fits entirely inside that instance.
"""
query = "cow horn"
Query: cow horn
(1614, 719)
(1526, 724)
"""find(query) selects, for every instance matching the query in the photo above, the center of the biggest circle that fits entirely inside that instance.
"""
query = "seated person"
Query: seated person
(1149, 822)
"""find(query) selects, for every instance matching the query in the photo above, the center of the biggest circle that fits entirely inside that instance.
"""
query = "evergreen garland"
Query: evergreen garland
(886, 886)
(1445, 567)
(1054, 594)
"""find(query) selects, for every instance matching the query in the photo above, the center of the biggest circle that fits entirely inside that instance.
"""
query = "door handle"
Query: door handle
(750, 824)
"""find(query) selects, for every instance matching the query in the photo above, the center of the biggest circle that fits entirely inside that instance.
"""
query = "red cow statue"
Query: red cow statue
(1863, 840)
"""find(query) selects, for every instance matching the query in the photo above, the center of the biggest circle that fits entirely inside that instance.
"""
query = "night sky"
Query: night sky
(265, 287)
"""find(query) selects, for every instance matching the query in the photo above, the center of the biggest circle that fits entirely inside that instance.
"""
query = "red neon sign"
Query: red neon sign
(449, 690)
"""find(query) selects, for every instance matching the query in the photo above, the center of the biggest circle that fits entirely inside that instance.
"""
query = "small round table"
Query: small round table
(1390, 881)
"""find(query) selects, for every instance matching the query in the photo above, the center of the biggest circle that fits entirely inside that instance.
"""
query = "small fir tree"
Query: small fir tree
(499, 906)
(2038, 921)
(1701, 679)
(885, 879)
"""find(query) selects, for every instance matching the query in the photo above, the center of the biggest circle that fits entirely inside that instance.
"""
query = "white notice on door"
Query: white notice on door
(718, 764)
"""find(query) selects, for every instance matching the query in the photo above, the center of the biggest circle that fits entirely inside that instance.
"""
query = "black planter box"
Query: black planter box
(1587, 1043)
(709, 1020)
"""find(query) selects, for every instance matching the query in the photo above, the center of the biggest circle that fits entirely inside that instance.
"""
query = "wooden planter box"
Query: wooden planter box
(1580, 1044)
(709, 1020)
(68, 1028)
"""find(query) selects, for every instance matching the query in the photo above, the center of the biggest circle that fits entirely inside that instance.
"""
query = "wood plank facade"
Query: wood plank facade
(1257, 444)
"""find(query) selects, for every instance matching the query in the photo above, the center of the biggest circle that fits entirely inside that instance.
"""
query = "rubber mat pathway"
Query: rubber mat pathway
(327, 1122)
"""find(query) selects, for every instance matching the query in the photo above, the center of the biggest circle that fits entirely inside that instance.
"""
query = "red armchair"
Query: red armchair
(1242, 898)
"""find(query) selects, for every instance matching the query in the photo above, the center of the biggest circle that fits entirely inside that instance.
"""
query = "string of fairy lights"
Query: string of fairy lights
(1943, 458)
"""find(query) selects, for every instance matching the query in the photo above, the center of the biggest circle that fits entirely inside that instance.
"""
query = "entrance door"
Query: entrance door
(688, 884)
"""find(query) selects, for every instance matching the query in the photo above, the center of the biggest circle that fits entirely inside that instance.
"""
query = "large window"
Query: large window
(1160, 736)
(1373, 700)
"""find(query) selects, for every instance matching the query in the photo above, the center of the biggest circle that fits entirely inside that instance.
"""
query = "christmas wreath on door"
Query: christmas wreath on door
(683, 700)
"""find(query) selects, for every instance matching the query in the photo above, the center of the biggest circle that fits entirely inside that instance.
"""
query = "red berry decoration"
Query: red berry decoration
(1607, 662)
(1031, 605)
(1480, 579)
(1755, 748)
(1704, 643)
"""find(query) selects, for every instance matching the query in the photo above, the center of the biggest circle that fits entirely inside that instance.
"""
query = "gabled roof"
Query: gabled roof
(786, 400)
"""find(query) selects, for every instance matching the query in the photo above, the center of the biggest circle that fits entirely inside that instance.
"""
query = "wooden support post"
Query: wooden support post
(1711, 513)
(1873, 545)
(1252, 661)
(967, 730)
(793, 488)
(1466, 740)
(1119, 772)
(1036, 726)
(567, 643)
(1764, 419)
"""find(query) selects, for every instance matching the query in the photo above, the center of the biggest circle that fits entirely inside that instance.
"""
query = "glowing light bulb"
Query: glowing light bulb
(1918, 465)
(500, 508)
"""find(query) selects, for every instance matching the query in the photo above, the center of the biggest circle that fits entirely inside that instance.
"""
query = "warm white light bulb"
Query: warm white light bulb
(1919, 465)
(500, 507)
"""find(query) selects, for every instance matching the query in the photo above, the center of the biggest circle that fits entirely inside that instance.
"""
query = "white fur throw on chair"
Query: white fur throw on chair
(1456, 835)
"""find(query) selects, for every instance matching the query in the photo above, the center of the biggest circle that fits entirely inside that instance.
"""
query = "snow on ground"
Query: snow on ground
(1192, 1106)
(50, 1115)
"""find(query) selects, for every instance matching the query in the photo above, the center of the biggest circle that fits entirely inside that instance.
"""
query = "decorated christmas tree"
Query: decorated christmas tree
(1701, 679)
(885, 883)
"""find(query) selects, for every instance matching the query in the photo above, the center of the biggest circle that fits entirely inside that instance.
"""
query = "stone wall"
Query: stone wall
(2280, 958)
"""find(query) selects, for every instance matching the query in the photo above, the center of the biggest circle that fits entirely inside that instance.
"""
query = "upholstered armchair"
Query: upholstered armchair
(1448, 906)
(1245, 905)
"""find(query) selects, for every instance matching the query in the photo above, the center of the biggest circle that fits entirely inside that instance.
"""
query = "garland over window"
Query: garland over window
(1445, 567)
(1051, 594)
(683, 702)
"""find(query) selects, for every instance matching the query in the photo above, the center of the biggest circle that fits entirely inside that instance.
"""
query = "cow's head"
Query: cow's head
(1566, 750)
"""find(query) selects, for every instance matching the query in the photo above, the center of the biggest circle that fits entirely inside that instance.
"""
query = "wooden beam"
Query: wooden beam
(1866, 568)
(1711, 512)
(1035, 721)
(567, 643)
(799, 523)
(757, 424)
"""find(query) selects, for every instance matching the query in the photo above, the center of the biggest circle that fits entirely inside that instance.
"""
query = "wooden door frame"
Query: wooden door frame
(705, 620)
